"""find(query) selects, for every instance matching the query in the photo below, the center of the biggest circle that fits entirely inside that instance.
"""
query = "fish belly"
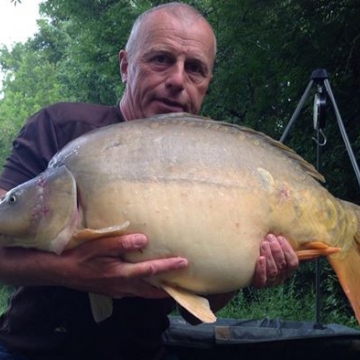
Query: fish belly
(209, 225)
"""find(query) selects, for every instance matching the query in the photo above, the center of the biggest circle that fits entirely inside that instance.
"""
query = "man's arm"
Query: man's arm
(93, 267)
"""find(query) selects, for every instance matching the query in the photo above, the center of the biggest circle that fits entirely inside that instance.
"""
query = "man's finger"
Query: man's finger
(270, 250)
(291, 258)
(152, 267)
(259, 280)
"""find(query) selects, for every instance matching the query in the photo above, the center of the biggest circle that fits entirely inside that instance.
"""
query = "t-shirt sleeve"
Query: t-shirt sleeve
(31, 151)
(48, 131)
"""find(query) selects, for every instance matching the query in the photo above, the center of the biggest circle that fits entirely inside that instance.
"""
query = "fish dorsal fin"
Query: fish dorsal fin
(195, 304)
(306, 166)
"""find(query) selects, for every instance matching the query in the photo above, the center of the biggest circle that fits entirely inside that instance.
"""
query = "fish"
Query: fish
(198, 188)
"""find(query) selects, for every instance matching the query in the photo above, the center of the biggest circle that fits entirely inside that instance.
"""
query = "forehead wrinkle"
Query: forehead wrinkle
(179, 25)
(189, 49)
(175, 41)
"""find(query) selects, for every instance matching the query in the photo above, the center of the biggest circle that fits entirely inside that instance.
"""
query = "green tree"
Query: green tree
(267, 52)
(98, 29)
(30, 83)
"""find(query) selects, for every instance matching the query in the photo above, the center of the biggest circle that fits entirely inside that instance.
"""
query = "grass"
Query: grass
(287, 303)
(5, 292)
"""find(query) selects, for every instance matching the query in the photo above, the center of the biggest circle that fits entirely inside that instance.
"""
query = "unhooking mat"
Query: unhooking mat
(228, 339)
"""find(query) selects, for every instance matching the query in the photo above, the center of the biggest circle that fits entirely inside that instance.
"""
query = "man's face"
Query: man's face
(171, 68)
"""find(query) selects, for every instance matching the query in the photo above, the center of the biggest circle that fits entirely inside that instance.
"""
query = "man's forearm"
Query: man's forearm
(25, 267)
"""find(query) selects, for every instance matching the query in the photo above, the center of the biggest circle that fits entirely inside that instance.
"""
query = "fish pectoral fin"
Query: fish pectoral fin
(195, 304)
(101, 307)
(87, 234)
(90, 234)
(314, 249)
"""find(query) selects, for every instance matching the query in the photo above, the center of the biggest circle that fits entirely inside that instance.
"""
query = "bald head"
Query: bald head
(182, 12)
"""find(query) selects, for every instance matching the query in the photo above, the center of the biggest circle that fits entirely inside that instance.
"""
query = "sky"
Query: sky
(18, 23)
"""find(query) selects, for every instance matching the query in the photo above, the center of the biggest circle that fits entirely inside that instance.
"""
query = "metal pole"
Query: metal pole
(343, 131)
(317, 324)
(297, 111)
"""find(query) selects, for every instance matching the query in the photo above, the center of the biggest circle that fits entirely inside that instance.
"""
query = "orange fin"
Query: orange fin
(347, 266)
(195, 304)
(347, 269)
(312, 250)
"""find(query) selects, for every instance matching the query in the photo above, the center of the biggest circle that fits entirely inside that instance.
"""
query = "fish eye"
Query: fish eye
(12, 199)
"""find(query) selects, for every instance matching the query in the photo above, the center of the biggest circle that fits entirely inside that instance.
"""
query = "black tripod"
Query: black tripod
(319, 78)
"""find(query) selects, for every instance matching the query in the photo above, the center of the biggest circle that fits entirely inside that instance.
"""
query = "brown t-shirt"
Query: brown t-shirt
(56, 322)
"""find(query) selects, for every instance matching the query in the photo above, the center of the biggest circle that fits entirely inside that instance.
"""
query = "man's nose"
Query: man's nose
(176, 78)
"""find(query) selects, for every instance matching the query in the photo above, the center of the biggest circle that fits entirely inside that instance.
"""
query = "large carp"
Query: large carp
(199, 189)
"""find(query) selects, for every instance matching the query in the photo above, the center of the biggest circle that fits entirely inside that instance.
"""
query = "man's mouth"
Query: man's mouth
(172, 106)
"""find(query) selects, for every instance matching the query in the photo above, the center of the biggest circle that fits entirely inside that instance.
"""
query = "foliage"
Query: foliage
(30, 83)
(5, 292)
(101, 28)
(267, 52)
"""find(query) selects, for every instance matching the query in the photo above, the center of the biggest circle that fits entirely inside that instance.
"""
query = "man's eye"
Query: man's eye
(161, 59)
(194, 68)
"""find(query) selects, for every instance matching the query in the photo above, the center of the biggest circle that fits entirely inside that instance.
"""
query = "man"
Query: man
(167, 67)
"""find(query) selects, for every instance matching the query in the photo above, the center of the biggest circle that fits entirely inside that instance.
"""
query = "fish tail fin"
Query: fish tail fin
(347, 266)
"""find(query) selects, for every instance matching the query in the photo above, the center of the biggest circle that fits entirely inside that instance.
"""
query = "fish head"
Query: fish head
(41, 212)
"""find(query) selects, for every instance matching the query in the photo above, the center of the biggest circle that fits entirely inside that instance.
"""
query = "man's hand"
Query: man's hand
(95, 266)
(102, 271)
(277, 261)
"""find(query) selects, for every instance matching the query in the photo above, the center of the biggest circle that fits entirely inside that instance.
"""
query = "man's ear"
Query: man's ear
(123, 62)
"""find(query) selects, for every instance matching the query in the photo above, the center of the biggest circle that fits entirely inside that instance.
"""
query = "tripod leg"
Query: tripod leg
(297, 110)
(342, 130)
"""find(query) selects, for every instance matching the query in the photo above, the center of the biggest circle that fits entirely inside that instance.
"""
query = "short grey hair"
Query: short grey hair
(172, 8)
